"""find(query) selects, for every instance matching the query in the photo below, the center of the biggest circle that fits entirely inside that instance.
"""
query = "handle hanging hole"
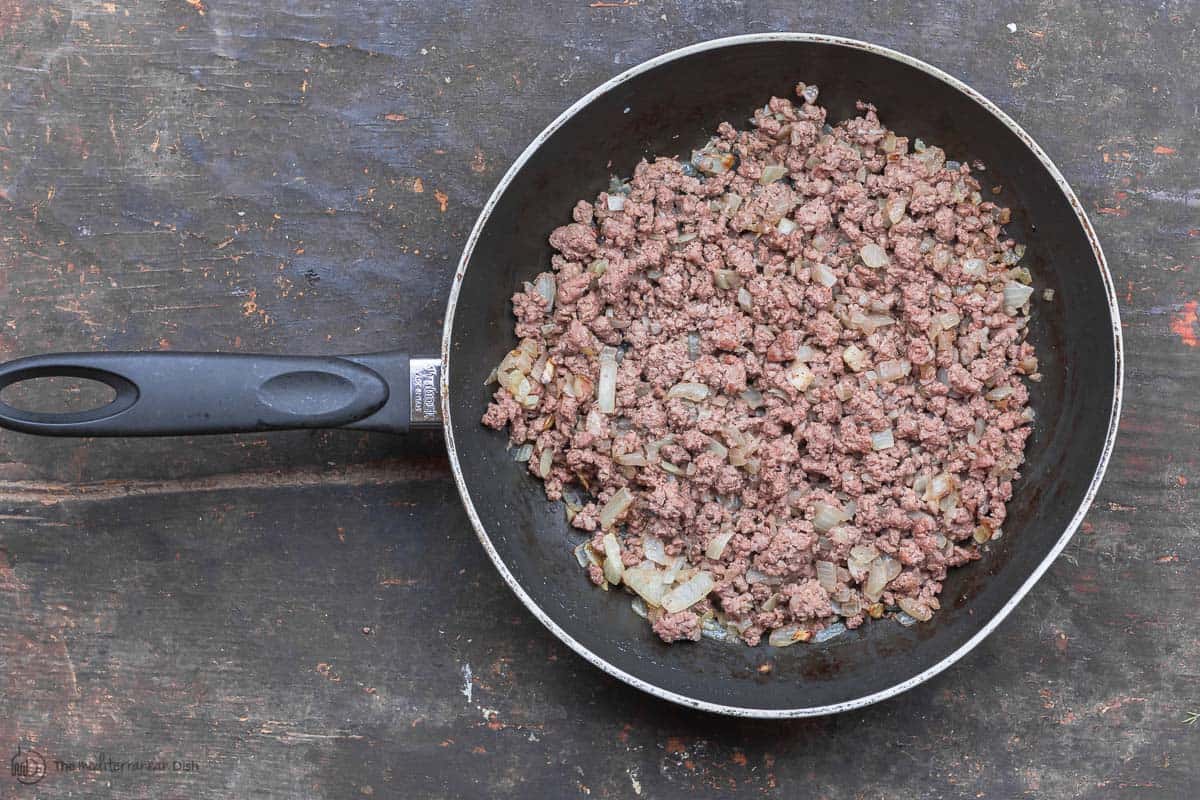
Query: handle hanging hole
(58, 394)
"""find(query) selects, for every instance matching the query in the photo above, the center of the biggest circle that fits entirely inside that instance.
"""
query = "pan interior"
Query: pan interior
(668, 110)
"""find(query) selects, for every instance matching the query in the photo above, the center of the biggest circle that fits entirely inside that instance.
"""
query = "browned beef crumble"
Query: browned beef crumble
(819, 338)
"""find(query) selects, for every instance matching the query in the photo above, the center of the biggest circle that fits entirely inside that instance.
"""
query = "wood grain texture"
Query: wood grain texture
(309, 614)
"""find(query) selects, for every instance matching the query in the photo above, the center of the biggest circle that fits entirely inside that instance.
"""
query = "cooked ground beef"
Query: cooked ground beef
(780, 385)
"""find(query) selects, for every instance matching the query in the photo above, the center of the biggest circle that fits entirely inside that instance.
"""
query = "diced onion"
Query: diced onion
(855, 358)
(975, 267)
(744, 300)
(753, 398)
(868, 324)
(788, 635)
(712, 162)
(891, 567)
(836, 629)
(772, 173)
(942, 256)
(948, 321)
(786, 226)
(730, 202)
(580, 386)
(606, 395)
(827, 517)
(689, 593)
(999, 393)
(823, 275)
(523, 452)
(882, 440)
(848, 607)
(800, 376)
(672, 570)
(618, 186)
(635, 459)
(893, 370)
(638, 605)
(876, 581)
(613, 568)
(647, 582)
(753, 576)
(895, 209)
(863, 554)
(1016, 294)
(519, 360)
(616, 202)
(711, 628)
(656, 551)
(726, 279)
(827, 575)
(653, 447)
(915, 609)
(976, 434)
(584, 555)
(621, 500)
(545, 462)
(873, 256)
(688, 391)
(804, 353)
(525, 395)
(546, 288)
(716, 547)
(939, 486)
(1021, 275)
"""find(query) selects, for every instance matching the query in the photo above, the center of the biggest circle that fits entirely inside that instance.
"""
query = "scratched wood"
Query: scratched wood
(309, 614)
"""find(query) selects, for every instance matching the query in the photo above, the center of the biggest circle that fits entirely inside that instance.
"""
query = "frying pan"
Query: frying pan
(669, 105)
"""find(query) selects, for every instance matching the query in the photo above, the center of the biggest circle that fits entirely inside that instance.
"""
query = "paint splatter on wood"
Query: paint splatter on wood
(1183, 324)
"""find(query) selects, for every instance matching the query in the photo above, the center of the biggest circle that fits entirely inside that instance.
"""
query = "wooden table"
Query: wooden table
(309, 614)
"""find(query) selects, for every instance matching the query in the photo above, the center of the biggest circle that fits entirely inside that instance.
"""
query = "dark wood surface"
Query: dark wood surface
(309, 614)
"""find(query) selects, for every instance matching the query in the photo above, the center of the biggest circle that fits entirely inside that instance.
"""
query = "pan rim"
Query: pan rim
(1019, 594)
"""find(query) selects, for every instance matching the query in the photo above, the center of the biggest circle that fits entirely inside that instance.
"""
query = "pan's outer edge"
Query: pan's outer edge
(992, 624)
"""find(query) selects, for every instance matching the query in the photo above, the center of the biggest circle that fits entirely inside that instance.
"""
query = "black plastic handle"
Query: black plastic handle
(169, 393)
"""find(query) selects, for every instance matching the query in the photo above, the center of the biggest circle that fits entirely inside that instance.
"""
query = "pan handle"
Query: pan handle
(170, 393)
